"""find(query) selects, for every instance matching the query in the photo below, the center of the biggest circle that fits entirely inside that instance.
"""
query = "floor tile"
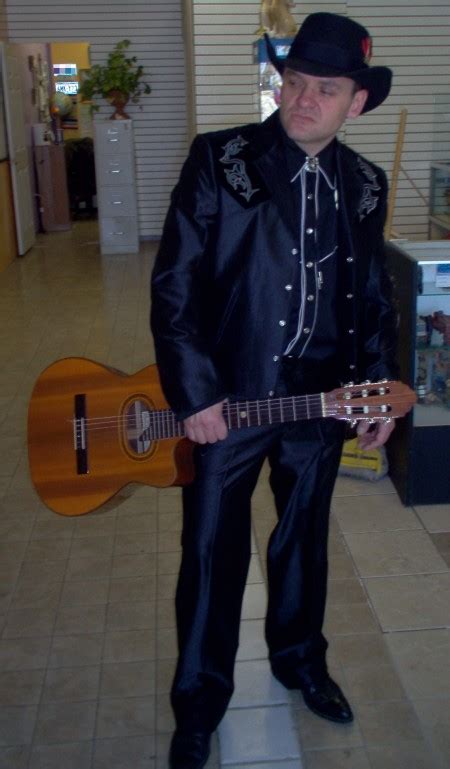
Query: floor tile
(252, 644)
(412, 602)
(388, 723)
(130, 616)
(367, 514)
(74, 650)
(71, 684)
(343, 619)
(257, 735)
(134, 716)
(22, 623)
(135, 679)
(130, 646)
(290, 764)
(422, 660)
(318, 733)
(373, 682)
(435, 518)
(65, 722)
(434, 717)
(358, 649)
(70, 756)
(22, 687)
(395, 552)
(80, 619)
(346, 758)
(125, 753)
(410, 755)
(255, 602)
(15, 757)
(255, 686)
(24, 653)
(17, 724)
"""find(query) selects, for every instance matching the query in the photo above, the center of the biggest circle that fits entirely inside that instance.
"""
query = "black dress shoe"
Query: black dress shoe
(324, 697)
(189, 749)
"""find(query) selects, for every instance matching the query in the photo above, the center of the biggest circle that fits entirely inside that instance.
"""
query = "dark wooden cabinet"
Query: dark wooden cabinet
(52, 189)
(419, 448)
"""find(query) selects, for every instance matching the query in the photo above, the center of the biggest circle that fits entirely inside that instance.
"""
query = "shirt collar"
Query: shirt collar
(296, 157)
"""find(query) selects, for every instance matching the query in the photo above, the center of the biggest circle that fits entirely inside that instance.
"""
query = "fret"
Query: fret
(269, 408)
(294, 408)
(307, 407)
(247, 408)
(227, 414)
(281, 410)
(258, 411)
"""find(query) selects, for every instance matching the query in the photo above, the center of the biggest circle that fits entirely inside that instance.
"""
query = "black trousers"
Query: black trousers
(304, 459)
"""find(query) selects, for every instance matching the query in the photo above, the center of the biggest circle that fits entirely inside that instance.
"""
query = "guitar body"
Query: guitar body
(111, 454)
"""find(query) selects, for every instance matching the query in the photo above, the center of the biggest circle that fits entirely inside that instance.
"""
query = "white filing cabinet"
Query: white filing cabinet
(116, 186)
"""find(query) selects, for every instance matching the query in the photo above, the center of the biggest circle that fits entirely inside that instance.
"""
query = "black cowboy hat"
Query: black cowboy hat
(331, 45)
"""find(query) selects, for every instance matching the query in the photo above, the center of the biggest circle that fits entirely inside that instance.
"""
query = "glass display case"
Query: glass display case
(419, 449)
(269, 80)
(439, 206)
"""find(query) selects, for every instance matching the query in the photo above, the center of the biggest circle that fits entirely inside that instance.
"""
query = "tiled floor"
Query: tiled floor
(87, 641)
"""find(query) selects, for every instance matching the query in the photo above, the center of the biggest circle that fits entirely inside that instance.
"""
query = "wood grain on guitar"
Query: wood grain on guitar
(92, 430)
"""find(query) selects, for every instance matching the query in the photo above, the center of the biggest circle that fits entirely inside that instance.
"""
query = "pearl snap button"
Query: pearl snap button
(282, 322)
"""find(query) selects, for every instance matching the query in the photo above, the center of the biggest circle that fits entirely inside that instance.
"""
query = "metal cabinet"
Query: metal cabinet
(116, 186)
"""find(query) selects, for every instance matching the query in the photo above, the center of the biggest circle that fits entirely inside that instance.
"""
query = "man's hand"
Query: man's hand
(207, 426)
(372, 436)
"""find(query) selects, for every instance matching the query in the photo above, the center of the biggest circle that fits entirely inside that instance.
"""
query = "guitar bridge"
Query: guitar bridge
(80, 434)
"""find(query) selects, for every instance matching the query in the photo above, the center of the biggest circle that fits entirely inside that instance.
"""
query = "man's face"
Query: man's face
(313, 109)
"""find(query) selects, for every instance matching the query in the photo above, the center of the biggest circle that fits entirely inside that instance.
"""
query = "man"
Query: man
(269, 282)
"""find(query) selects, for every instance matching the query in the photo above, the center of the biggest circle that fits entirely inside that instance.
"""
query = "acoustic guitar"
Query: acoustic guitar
(92, 430)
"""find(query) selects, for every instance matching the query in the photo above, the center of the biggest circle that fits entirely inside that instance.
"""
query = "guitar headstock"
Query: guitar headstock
(370, 400)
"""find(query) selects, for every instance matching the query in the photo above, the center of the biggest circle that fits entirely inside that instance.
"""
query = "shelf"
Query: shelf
(436, 415)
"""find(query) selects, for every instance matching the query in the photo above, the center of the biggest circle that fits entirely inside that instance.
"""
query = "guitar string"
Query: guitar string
(243, 409)
(272, 407)
(161, 420)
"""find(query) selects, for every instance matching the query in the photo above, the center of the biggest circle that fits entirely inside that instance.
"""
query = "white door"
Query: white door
(17, 148)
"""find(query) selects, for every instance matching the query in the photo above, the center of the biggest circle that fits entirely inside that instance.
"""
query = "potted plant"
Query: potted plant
(119, 81)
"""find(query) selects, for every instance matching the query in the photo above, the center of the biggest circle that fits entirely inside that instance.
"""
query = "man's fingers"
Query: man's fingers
(377, 436)
(207, 426)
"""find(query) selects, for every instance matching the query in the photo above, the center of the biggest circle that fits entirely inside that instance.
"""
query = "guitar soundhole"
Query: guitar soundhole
(136, 428)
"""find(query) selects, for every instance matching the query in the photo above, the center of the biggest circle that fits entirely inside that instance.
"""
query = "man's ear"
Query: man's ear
(357, 105)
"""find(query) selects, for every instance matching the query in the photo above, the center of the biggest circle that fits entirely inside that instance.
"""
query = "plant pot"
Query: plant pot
(119, 101)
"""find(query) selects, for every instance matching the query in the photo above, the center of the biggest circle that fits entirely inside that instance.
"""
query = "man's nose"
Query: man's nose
(305, 96)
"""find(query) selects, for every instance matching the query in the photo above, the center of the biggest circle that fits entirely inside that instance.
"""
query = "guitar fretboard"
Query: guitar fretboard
(164, 424)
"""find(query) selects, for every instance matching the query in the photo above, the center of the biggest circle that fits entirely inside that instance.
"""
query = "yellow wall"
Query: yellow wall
(8, 247)
(71, 53)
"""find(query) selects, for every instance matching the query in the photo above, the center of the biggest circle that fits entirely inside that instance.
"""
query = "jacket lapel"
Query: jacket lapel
(269, 158)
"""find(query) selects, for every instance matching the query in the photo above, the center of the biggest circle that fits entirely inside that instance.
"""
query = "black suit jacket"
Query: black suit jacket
(227, 254)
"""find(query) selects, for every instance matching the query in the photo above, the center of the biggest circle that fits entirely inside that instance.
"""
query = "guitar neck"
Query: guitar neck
(255, 413)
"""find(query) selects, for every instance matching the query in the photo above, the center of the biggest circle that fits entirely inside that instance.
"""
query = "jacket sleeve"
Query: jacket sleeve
(380, 318)
(188, 375)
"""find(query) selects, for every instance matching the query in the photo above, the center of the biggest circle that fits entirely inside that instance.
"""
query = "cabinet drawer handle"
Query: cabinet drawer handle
(115, 171)
(113, 140)
(116, 233)
(117, 202)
